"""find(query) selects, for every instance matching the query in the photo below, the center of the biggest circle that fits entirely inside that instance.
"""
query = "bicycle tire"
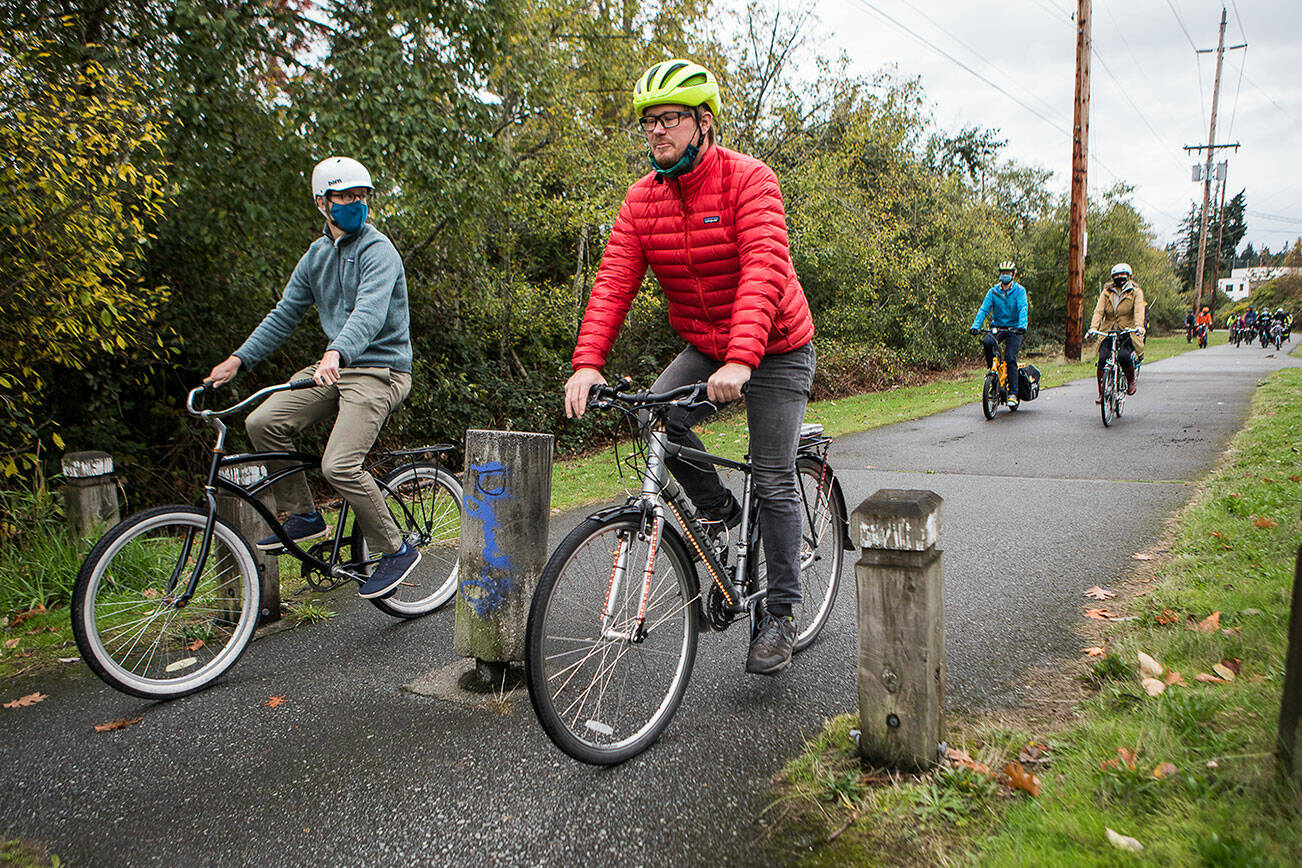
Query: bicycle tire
(128, 632)
(431, 521)
(822, 553)
(990, 396)
(613, 701)
(1108, 406)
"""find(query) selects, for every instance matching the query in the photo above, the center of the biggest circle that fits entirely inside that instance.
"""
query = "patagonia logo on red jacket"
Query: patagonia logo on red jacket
(708, 220)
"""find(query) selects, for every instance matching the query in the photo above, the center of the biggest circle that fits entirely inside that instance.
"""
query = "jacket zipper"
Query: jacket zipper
(691, 265)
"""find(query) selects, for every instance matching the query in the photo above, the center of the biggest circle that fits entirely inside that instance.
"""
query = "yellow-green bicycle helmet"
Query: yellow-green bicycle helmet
(676, 82)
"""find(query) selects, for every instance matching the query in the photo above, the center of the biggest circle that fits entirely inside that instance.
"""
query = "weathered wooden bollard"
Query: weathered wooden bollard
(253, 528)
(901, 628)
(1289, 747)
(508, 487)
(90, 495)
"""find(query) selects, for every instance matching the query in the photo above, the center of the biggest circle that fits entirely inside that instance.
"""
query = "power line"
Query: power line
(929, 44)
(1277, 218)
(1198, 67)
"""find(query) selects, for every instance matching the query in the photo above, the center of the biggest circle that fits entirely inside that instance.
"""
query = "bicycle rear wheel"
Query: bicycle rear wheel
(822, 511)
(603, 696)
(425, 502)
(127, 625)
(1108, 407)
(990, 395)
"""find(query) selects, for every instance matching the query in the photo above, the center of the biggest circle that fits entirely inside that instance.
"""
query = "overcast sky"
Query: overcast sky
(1151, 93)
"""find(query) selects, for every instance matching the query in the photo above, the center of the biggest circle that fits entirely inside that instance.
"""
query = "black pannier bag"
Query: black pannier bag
(1028, 382)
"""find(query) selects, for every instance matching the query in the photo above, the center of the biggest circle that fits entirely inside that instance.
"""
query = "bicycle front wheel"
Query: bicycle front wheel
(1108, 407)
(990, 396)
(425, 502)
(132, 629)
(604, 692)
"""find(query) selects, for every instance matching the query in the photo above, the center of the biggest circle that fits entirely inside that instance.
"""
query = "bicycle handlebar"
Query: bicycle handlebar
(604, 395)
(292, 385)
(1111, 332)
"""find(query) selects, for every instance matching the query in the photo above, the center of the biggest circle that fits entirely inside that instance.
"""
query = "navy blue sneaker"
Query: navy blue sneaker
(298, 528)
(389, 572)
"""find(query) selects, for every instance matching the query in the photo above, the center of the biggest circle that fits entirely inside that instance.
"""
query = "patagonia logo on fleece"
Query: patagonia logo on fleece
(708, 220)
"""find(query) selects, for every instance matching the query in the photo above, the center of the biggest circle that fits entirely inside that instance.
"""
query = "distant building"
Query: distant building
(1242, 281)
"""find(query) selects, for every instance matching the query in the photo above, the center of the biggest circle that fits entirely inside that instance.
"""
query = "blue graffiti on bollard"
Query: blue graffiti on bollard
(488, 591)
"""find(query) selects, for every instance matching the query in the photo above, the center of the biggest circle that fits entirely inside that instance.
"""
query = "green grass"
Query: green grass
(26, 854)
(1225, 805)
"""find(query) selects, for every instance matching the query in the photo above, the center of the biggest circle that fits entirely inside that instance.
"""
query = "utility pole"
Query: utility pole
(1207, 168)
(1080, 129)
(1222, 174)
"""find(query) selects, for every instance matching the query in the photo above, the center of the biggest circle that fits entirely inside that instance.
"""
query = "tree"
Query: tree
(82, 185)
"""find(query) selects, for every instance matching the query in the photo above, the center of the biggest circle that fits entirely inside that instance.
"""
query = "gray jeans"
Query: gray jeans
(775, 408)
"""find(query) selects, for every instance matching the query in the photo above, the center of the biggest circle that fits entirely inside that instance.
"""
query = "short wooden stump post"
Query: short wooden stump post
(900, 588)
(508, 489)
(90, 493)
(251, 526)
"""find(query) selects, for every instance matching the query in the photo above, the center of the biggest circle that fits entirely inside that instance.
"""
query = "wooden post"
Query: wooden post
(90, 495)
(901, 628)
(253, 528)
(508, 487)
(1079, 199)
(1289, 747)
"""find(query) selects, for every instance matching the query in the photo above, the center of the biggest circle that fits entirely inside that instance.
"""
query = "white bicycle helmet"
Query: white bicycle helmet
(1008, 265)
(1122, 268)
(339, 173)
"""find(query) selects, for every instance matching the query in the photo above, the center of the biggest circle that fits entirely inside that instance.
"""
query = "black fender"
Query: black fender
(844, 520)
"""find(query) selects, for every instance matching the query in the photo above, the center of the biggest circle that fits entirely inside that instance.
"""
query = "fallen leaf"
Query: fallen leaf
(1020, 779)
(120, 723)
(1127, 756)
(1153, 686)
(275, 701)
(1141, 556)
(1099, 614)
(1217, 533)
(1165, 770)
(1148, 667)
(1173, 678)
(149, 593)
(1225, 672)
(24, 701)
(1213, 764)
(30, 613)
(69, 659)
(1094, 651)
(1232, 664)
(195, 645)
(1264, 521)
(1100, 593)
(1123, 842)
(11, 643)
(1210, 624)
(1035, 752)
(1166, 617)
(963, 760)
(1295, 478)
(1208, 679)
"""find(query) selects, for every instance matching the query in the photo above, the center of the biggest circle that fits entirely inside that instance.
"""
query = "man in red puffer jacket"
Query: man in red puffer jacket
(710, 224)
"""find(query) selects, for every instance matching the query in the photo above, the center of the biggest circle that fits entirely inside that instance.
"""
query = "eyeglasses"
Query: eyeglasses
(668, 120)
(345, 197)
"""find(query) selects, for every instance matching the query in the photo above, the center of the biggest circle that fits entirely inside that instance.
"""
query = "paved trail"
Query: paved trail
(354, 771)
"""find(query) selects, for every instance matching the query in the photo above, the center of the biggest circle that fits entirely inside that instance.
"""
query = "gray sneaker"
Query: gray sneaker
(770, 653)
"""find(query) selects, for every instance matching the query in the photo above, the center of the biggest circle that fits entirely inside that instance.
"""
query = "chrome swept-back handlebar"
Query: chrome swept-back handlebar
(305, 383)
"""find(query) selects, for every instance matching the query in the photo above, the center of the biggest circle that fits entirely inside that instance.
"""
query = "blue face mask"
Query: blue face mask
(348, 217)
(1005, 279)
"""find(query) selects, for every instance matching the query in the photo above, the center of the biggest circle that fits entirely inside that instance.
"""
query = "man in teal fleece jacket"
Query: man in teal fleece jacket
(355, 278)
(1007, 307)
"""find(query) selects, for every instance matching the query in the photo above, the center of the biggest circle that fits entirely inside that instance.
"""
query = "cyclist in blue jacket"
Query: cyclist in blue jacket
(1006, 306)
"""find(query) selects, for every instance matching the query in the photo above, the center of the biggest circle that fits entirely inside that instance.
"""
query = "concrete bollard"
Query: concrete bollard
(90, 495)
(508, 485)
(900, 588)
(251, 526)
(1289, 746)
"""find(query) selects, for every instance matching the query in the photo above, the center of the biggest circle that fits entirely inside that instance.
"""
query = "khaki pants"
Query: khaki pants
(363, 398)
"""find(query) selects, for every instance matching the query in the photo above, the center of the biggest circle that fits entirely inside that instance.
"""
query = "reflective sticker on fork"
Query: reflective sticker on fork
(650, 568)
(618, 568)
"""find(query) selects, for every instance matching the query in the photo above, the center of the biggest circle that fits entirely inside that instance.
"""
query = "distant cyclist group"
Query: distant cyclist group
(1261, 327)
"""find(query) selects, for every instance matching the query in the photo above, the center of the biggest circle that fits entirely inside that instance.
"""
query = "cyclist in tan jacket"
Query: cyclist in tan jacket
(1121, 305)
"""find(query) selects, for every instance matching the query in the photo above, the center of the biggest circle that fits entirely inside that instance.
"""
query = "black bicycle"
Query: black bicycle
(994, 388)
(1114, 377)
(168, 599)
(614, 621)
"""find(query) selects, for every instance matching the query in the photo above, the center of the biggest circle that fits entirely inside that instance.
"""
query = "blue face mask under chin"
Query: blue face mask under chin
(1005, 279)
(349, 217)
